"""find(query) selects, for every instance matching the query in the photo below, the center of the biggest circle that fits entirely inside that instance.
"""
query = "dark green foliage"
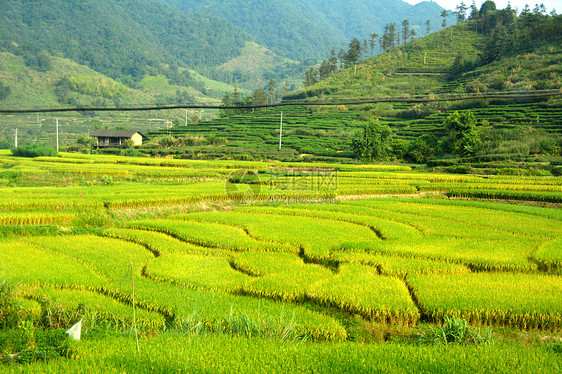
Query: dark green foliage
(34, 57)
(5, 91)
(353, 54)
(460, 169)
(462, 132)
(131, 39)
(34, 150)
(8, 313)
(457, 67)
(423, 149)
(545, 197)
(487, 7)
(507, 33)
(27, 344)
(456, 331)
(373, 143)
(304, 29)
(131, 152)
(556, 346)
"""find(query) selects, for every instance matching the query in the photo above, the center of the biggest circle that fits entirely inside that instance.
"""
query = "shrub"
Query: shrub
(131, 152)
(456, 331)
(556, 346)
(7, 308)
(5, 91)
(28, 344)
(460, 169)
(34, 151)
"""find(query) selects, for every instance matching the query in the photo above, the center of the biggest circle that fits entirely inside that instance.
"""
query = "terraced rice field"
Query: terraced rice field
(383, 245)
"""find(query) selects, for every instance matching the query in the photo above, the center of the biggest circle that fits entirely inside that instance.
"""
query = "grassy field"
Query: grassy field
(323, 267)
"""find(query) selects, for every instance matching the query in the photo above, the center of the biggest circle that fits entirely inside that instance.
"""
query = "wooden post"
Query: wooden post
(57, 122)
(134, 310)
(281, 131)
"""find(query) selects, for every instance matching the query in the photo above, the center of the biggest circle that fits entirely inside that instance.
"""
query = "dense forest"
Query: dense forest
(132, 39)
(305, 29)
(128, 39)
(506, 33)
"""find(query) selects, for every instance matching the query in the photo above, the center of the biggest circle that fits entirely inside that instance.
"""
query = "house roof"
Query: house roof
(115, 133)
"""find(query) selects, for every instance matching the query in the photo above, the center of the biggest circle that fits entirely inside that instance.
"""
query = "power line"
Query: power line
(336, 102)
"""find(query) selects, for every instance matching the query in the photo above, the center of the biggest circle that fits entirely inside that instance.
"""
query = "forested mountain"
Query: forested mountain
(303, 29)
(120, 38)
(491, 50)
(243, 43)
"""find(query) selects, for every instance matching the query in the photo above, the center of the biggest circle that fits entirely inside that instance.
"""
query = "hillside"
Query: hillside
(455, 60)
(255, 66)
(67, 83)
(425, 66)
(418, 67)
(133, 39)
(129, 38)
(305, 29)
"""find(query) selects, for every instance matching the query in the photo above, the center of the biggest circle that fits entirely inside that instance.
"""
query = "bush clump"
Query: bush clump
(27, 344)
(34, 150)
(456, 331)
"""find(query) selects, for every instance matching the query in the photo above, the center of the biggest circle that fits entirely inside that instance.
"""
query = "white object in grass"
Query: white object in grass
(75, 331)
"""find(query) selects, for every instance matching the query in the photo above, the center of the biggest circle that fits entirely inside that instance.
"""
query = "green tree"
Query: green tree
(423, 149)
(333, 62)
(325, 70)
(373, 142)
(444, 15)
(373, 42)
(461, 12)
(353, 54)
(259, 97)
(272, 91)
(463, 134)
(5, 91)
(389, 37)
(311, 77)
(226, 101)
(457, 67)
(487, 7)
(473, 11)
(405, 30)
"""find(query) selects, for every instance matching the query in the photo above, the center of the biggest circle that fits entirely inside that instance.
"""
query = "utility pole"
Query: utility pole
(185, 117)
(134, 309)
(57, 125)
(37, 118)
(16, 139)
(281, 131)
(168, 125)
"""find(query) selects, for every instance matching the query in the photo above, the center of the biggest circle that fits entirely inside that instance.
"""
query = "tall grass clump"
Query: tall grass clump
(456, 331)
(242, 324)
(8, 308)
(34, 151)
